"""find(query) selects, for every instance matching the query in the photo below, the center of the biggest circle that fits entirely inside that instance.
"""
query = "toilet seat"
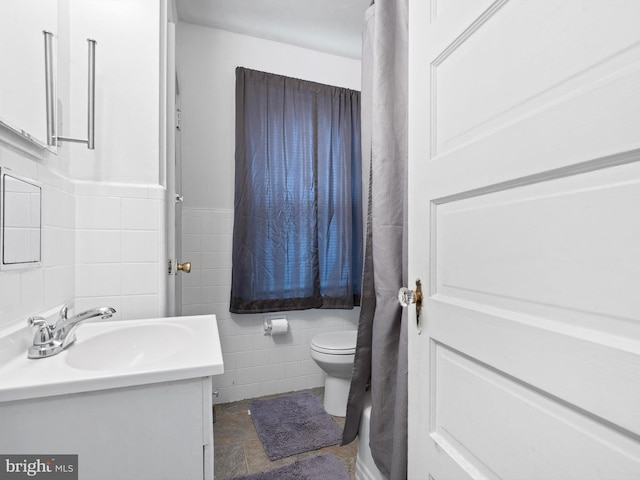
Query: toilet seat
(335, 343)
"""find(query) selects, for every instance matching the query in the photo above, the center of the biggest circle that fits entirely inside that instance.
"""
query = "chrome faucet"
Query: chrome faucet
(50, 340)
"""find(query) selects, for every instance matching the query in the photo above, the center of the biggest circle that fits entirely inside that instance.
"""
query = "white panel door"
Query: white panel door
(524, 227)
(174, 179)
(173, 228)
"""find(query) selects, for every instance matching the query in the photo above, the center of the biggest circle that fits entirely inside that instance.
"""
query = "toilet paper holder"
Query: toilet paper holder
(275, 326)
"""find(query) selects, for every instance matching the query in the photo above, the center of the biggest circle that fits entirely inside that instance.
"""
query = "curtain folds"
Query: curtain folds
(381, 361)
(297, 231)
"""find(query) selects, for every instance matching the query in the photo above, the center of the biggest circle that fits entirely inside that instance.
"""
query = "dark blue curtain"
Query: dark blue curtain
(297, 236)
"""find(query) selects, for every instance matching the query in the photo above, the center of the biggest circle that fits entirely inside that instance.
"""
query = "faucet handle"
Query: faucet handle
(36, 321)
(64, 311)
(44, 333)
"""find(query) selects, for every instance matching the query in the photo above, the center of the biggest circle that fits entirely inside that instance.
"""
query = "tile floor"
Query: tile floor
(238, 450)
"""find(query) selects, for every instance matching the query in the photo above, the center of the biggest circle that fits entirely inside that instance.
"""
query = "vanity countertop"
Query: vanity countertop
(115, 354)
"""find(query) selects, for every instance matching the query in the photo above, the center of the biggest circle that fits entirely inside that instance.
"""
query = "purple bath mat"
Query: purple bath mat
(325, 466)
(293, 424)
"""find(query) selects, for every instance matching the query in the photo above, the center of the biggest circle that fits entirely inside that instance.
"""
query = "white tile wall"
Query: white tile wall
(24, 292)
(103, 244)
(121, 245)
(255, 364)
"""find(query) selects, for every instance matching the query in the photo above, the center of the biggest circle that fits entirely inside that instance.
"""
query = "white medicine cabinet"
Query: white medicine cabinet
(23, 86)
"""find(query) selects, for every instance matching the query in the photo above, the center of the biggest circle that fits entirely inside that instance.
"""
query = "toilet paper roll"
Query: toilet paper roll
(276, 326)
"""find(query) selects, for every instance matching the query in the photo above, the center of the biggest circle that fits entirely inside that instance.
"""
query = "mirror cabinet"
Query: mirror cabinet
(23, 83)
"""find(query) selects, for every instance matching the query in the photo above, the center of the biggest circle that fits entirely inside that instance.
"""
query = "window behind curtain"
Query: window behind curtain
(297, 235)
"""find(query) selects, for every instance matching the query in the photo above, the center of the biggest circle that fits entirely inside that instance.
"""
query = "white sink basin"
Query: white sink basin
(130, 346)
(113, 354)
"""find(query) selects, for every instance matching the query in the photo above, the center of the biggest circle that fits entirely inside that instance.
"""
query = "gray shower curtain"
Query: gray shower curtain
(381, 362)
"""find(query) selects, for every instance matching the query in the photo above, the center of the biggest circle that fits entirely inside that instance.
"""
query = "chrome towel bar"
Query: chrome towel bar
(52, 138)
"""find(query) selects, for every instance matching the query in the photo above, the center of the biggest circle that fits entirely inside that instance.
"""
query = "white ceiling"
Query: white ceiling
(331, 26)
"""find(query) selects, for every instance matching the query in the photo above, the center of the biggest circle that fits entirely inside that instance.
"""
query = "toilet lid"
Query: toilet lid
(335, 343)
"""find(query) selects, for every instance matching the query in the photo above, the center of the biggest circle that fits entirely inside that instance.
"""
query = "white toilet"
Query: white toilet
(334, 353)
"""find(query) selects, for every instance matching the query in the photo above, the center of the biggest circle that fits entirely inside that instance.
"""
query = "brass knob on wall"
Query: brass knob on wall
(185, 267)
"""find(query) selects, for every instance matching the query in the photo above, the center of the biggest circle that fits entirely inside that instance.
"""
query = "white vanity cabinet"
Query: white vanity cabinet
(131, 398)
(154, 431)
